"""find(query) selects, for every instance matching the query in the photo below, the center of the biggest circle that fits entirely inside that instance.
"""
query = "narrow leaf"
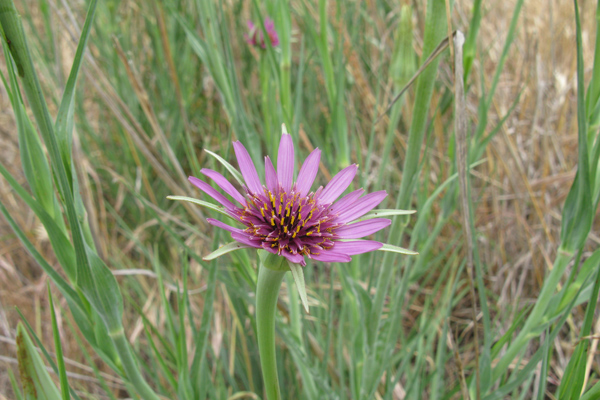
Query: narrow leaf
(228, 248)
(397, 249)
(384, 213)
(34, 376)
(213, 207)
(64, 119)
(62, 372)
(298, 274)
(236, 174)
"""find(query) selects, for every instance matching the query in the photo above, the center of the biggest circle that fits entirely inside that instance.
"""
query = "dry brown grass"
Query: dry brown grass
(522, 186)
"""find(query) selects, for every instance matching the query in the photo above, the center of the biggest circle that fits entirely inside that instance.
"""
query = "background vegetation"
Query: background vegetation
(499, 310)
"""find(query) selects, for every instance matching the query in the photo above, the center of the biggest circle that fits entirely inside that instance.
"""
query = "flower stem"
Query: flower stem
(267, 290)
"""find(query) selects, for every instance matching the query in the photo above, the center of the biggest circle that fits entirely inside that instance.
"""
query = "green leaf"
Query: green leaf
(577, 214)
(34, 162)
(228, 248)
(89, 272)
(213, 207)
(65, 253)
(397, 249)
(73, 299)
(62, 372)
(64, 120)
(272, 261)
(298, 274)
(102, 291)
(384, 213)
(15, 385)
(34, 377)
(236, 174)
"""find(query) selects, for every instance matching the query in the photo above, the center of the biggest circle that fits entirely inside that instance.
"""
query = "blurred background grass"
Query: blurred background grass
(162, 81)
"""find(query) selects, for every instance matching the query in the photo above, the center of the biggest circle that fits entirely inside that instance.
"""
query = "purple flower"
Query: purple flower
(256, 38)
(285, 218)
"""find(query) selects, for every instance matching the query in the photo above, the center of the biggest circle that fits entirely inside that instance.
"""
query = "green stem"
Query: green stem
(131, 369)
(267, 290)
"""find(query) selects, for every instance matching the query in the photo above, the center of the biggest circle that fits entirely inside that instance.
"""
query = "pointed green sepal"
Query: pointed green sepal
(397, 249)
(228, 248)
(272, 261)
(384, 213)
(202, 203)
(298, 274)
(236, 174)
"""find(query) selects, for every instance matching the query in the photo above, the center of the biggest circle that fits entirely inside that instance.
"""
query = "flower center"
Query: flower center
(287, 221)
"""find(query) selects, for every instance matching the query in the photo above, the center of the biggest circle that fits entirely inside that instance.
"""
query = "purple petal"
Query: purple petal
(247, 168)
(362, 206)
(222, 225)
(346, 201)
(285, 162)
(338, 184)
(224, 184)
(245, 238)
(295, 258)
(209, 190)
(362, 229)
(357, 247)
(267, 247)
(308, 172)
(271, 176)
(331, 256)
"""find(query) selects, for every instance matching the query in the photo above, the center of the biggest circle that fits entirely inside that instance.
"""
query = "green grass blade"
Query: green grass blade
(109, 308)
(227, 248)
(15, 385)
(35, 379)
(43, 350)
(577, 214)
(470, 47)
(64, 119)
(220, 210)
(62, 372)
(236, 174)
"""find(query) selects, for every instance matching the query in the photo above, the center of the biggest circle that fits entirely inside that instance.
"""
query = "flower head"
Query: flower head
(285, 218)
(256, 38)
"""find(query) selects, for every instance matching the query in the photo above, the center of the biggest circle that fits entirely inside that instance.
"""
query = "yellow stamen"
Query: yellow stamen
(272, 221)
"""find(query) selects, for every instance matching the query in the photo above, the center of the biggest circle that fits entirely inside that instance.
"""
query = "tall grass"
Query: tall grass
(106, 136)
